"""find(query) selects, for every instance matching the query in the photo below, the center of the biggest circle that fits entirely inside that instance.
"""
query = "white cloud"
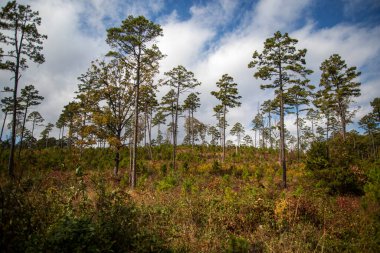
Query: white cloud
(199, 45)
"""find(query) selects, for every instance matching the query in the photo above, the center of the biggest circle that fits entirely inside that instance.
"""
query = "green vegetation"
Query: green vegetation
(72, 202)
(106, 185)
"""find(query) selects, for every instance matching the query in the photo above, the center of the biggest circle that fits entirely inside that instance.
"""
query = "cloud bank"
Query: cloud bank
(218, 37)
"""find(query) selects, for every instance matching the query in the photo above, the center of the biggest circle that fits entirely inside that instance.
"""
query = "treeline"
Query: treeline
(116, 103)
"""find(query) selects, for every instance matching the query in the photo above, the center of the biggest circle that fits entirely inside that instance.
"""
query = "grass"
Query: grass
(203, 206)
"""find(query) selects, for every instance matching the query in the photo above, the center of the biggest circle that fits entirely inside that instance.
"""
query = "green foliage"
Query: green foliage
(216, 167)
(167, 183)
(372, 188)
(331, 164)
(238, 245)
(52, 222)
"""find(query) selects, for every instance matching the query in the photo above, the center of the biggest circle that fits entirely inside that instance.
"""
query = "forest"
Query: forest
(132, 172)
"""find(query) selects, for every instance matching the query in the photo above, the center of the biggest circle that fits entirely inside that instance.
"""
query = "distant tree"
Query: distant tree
(371, 122)
(313, 116)
(215, 135)
(133, 42)
(168, 107)
(159, 119)
(148, 105)
(282, 64)
(45, 133)
(6, 107)
(258, 126)
(338, 81)
(198, 131)
(19, 23)
(376, 108)
(297, 96)
(370, 126)
(269, 107)
(191, 104)
(70, 116)
(180, 80)
(322, 102)
(237, 130)
(36, 119)
(29, 98)
(218, 109)
(61, 124)
(248, 140)
(229, 98)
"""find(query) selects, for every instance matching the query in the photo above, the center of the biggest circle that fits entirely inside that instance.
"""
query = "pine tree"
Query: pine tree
(180, 80)
(215, 135)
(338, 81)
(159, 119)
(36, 118)
(228, 97)
(237, 130)
(133, 43)
(191, 104)
(29, 98)
(297, 96)
(282, 64)
(46, 132)
(20, 24)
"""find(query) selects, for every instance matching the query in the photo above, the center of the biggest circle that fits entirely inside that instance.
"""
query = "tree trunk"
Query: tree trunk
(298, 134)
(175, 129)
(133, 168)
(63, 131)
(149, 124)
(22, 131)
(192, 129)
(282, 131)
(270, 130)
(117, 162)
(2, 128)
(13, 137)
(224, 133)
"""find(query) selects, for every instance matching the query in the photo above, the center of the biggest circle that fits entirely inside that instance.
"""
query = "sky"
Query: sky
(209, 38)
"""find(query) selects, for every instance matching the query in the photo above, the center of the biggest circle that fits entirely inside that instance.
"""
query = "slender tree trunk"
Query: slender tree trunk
(149, 124)
(282, 130)
(343, 119)
(145, 125)
(59, 136)
(298, 134)
(192, 129)
(33, 125)
(133, 168)
(22, 130)
(63, 131)
(158, 134)
(270, 130)
(224, 132)
(13, 137)
(175, 128)
(327, 136)
(189, 128)
(2, 128)
(117, 162)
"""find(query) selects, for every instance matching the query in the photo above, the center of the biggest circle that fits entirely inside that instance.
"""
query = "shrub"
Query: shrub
(331, 165)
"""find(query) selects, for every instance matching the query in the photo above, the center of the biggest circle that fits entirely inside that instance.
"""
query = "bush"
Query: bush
(331, 165)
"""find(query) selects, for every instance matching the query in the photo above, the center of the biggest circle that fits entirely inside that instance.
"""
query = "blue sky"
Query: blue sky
(210, 38)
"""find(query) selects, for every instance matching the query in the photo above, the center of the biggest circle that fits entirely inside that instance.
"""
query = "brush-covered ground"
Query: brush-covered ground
(69, 201)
